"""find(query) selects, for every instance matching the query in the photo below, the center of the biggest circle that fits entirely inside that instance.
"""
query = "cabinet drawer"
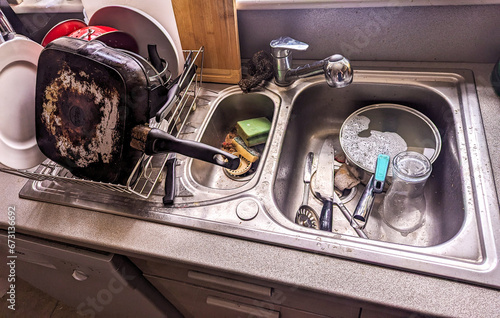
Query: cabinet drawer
(387, 313)
(199, 302)
(269, 292)
(194, 301)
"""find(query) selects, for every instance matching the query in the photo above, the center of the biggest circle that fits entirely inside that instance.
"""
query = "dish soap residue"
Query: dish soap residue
(364, 150)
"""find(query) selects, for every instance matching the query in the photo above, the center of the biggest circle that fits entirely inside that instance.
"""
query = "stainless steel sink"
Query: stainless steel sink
(318, 113)
(230, 110)
(458, 238)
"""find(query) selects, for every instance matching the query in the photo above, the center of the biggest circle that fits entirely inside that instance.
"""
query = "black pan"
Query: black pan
(89, 100)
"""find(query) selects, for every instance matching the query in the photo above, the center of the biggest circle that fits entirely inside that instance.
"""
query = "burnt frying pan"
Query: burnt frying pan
(90, 100)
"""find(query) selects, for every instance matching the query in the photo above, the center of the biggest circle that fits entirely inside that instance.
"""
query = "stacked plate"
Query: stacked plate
(149, 22)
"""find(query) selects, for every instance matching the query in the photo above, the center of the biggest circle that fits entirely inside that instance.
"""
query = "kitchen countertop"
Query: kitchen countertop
(344, 278)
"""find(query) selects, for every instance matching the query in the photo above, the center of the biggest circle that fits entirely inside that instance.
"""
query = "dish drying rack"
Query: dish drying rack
(147, 172)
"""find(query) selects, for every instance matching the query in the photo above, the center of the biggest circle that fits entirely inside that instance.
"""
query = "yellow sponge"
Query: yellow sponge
(247, 153)
(254, 131)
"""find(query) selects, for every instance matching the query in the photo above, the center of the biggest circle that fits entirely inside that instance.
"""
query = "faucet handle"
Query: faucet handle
(282, 46)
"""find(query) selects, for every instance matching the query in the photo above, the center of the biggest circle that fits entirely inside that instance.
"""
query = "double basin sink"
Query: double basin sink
(457, 239)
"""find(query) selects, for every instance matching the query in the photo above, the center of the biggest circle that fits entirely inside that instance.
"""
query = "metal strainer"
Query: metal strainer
(306, 216)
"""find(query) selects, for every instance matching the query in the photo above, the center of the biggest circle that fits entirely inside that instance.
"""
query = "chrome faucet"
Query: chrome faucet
(337, 69)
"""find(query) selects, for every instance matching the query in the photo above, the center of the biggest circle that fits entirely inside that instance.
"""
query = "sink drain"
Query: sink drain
(244, 172)
(348, 194)
(242, 169)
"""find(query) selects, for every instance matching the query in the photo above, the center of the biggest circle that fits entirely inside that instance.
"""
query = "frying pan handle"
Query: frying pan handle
(153, 141)
(171, 99)
(154, 57)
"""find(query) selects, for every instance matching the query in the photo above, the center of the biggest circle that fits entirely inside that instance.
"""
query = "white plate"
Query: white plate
(18, 63)
(145, 30)
(161, 10)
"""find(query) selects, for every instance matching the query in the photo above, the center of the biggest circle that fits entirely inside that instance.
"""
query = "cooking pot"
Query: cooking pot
(78, 29)
(386, 129)
(89, 98)
(63, 28)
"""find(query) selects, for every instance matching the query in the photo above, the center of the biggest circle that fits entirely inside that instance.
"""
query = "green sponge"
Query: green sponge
(253, 131)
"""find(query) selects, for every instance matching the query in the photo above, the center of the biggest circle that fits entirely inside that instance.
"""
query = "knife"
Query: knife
(324, 183)
(324, 189)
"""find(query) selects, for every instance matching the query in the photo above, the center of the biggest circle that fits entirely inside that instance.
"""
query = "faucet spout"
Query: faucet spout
(336, 68)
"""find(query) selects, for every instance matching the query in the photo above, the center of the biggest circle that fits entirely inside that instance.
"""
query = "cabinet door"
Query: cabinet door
(277, 295)
(198, 302)
(384, 312)
(95, 283)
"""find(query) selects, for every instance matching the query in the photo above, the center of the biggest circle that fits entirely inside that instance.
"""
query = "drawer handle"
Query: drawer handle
(252, 311)
(231, 283)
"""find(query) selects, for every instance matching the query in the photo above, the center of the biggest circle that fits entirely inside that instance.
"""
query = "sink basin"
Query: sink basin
(318, 113)
(230, 110)
(457, 240)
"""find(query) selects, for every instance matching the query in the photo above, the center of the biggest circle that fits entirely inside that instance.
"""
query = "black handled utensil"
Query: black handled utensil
(168, 199)
(324, 178)
(154, 141)
(323, 187)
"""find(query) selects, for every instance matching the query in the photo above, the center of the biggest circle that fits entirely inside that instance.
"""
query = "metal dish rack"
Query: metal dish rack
(147, 171)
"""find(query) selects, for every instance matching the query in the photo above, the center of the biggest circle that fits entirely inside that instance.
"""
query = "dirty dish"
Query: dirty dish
(387, 129)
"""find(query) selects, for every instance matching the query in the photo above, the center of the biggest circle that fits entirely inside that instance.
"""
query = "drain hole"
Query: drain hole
(245, 170)
(347, 195)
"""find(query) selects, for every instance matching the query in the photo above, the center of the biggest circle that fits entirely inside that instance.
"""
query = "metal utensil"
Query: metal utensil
(324, 180)
(338, 202)
(323, 188)
(347, 215)
(6, 29)
(306, 216)
(375, 185)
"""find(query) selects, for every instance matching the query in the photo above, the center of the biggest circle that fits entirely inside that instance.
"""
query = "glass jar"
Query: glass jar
(404, 205)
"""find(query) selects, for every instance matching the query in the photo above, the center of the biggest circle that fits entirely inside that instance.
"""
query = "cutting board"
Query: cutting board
(213, 25)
